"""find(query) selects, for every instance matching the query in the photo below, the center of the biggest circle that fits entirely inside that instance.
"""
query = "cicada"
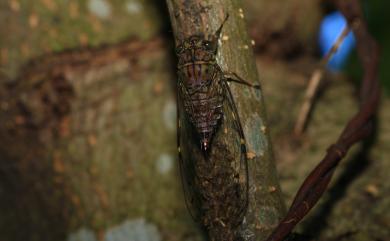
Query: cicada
(214, 176)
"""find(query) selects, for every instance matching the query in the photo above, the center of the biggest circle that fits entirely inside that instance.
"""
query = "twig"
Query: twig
(359, 127)
(314, 84)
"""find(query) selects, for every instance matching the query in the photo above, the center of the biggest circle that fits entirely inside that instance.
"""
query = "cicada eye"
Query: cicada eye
(209, 45)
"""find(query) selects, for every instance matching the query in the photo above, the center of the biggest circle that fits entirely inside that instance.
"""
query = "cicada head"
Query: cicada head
(196, 48)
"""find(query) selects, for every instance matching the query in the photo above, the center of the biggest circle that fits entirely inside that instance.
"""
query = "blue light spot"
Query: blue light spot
(331, 27)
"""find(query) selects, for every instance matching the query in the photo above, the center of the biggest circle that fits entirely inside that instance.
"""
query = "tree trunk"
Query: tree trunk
(235, 55)
(87, 136)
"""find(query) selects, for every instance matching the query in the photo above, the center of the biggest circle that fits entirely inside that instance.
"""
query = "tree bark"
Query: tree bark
(235, 55)
(87, 136)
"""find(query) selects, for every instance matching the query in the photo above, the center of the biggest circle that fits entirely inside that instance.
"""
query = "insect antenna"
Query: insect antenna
(219, 30)
(217, 34)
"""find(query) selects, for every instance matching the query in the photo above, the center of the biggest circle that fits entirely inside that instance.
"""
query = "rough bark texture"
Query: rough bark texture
(88, 135)
(235, 55)
(75, 137)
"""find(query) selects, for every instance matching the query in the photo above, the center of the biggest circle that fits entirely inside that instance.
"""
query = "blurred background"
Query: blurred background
(88, 120)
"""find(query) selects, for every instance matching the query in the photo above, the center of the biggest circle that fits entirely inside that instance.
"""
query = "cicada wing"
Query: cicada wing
(225, 169)
(186, 162)
(233, 122)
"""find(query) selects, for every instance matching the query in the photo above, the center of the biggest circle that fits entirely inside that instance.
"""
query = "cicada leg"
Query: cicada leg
(233, 77)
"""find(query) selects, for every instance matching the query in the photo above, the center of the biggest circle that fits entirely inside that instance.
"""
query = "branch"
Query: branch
(314, 84)
(358, 128)
(265, 207)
